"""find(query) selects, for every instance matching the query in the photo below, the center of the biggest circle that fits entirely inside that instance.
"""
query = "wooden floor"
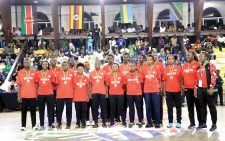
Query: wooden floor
(10, 130)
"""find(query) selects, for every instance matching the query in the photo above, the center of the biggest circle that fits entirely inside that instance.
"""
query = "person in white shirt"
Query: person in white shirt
(131, 29)
(112, 43)
(124, 30)
(162, 28)
(221, 41)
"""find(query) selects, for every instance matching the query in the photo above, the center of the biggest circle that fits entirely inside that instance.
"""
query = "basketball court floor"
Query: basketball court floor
(10, 131)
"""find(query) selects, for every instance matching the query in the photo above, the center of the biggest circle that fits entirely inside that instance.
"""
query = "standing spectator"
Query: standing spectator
(121, 42)
(112, 43)
(161, 44)
(219, 86)
(96, 36)
(89, 44)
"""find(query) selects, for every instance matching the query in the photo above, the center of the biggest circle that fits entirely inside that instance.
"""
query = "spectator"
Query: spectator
(131, 29)
(172, 28)
(90, 41)
(62, 31)
(112, 44)
(124, 30)
(156, 29)
(19, 31)
(121, 42)
(174, 40)
(186, 42)
(8, 67)
(221, 41)
(219, 86)
(161, 44)
(12, 87)
(180, 27)
(188, 29)
(96, 36)
(162, 28)
(138, 42)
(118, 30)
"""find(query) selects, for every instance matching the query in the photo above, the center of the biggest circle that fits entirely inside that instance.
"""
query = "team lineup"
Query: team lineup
(115, 88)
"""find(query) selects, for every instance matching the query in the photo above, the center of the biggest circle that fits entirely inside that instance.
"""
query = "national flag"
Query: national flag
(126, 13)
(27, 19)
(76, 17)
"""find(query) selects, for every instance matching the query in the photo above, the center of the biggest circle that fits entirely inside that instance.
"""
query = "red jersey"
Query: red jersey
(45, 81)
(115, 83)
(124, 68)
(107, 68)
(81, 88)
(64, 80)
(55, 71)
(134, 83)
(189, 71)
(152, 77)
(26, 81)
(172, 77)
(98, 80)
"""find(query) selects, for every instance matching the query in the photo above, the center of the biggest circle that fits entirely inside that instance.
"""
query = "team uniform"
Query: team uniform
(98, 94)
(65, 87)
(28, 94)
(152, 78)
(45, 95)
(172, 78)
(189, 74)
(80, 97)
(134, 83)
(115, 82)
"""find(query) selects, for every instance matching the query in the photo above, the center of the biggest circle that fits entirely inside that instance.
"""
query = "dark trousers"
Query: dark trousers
(161, 108)
(116, 106)
(204, 100)
(60, 106)
(152, 102)
(131, 100)
(142, 108)
(173, 97)
(99, 100)
(192, 102)
(89, 106)
(220, 94)
(54, 107)
(81, 112)
(31, 104)
(42, 100)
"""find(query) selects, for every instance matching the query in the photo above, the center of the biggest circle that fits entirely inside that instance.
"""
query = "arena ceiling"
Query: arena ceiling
(93, 2)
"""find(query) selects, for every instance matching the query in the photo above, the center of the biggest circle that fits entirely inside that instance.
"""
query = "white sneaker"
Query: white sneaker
(23, 129)
(35, 128)
(88, 123)
(42, 128)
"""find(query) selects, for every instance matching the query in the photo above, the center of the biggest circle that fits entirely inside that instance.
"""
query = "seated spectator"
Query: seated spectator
(138, 42)
(192, 29)
(42, 43)
(156, 29)
(186, 42)
(117, 57)
(82, 51)
(19, 31)
(167, 39)
(221, 41)
(121, 42)
(14, 31)
(66, 51)
(174, 40)
(140, 29)
(146, 43)
(62, 31)
(161, 44)
(188, 29)
(112, 43)
(172, 28)
(111, 29)
(132, 49)
(162, 28)
(180, 28)
(124, 30)
(131, 29)
(118, 30)
(12, 87)
(8, 67)
(124, 50)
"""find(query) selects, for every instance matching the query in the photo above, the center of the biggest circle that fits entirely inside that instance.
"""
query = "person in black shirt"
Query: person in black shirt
(96, 37)
(219, 86)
